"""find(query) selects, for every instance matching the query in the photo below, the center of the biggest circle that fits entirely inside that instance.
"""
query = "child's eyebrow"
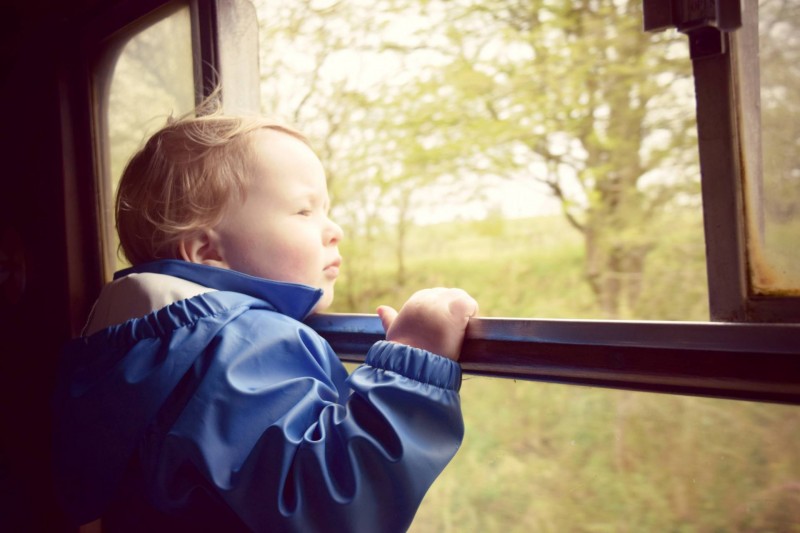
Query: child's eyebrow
(314, 198)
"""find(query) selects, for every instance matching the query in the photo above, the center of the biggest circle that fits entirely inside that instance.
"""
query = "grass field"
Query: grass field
(525, 267)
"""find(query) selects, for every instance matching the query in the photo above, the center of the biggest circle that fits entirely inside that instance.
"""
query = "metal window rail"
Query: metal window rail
(759, 362)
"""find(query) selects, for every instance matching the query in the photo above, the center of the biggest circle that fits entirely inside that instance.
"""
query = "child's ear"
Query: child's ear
(202, 247)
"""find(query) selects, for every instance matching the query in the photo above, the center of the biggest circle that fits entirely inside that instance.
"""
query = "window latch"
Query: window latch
(689, 15)
(704, 21)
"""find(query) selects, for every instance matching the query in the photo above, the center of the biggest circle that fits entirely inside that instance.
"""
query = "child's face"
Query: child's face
(282, 230)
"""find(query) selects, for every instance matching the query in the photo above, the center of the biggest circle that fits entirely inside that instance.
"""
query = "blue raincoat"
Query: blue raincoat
(222, 411)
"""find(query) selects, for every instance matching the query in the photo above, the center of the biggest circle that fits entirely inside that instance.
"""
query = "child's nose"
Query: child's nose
(333, 233)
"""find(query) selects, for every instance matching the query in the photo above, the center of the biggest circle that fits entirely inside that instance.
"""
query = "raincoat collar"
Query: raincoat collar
(291, 299)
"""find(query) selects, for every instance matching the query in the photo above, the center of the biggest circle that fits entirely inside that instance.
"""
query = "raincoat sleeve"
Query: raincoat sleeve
(276, 431)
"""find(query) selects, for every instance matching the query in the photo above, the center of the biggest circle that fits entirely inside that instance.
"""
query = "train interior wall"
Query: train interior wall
(34, 321)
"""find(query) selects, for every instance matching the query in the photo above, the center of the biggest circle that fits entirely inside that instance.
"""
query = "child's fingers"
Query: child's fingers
(464, 306)
(387, 315)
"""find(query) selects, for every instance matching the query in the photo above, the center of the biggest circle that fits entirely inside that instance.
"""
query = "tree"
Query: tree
(780, 80)
(779, 198)
(571, 94)
(577, 96)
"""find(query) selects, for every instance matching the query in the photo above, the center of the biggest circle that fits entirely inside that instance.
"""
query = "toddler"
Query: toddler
(197, 400)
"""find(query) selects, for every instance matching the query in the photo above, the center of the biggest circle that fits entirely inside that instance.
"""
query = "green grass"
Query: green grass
(525, 268)
(546, 457)
(518, 269)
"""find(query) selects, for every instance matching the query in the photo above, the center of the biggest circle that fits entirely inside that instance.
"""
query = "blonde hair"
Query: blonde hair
(184, 178)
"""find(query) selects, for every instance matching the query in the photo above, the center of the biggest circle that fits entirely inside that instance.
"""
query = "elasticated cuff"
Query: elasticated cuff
(415, 363)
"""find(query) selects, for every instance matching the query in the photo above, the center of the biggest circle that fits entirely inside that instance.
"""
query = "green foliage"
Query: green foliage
(571, 95)
(516, 267)
(530, 267)
(551, 90)
(552, 458)
(777, 253)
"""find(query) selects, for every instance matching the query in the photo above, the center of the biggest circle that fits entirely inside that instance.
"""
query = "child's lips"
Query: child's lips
(332, 270)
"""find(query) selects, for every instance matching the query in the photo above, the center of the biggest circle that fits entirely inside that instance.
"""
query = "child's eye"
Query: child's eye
(304, 212)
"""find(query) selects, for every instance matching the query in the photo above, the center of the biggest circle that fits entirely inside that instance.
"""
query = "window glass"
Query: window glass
(542, 155)
(152, 79)
(547, 457)
(774, 188)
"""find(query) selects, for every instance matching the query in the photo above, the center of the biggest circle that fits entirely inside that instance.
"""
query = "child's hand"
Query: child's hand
(432, 319)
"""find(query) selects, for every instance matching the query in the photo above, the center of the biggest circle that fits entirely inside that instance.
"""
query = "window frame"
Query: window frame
(757, 362)
(220, 52)
(722, 358)
(110, 48)
(727, 107)
(722, 120)
(84, 76)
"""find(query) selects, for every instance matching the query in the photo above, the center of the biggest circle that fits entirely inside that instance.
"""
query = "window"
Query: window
(768, 45)
(377, 86)
(548, 167)
(409, 103)
(394, 97)
(749, 260)
(547, 457)
(156, 68)
(149, 79)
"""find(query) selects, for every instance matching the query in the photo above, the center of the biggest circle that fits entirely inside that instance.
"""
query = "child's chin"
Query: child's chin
(324, 303)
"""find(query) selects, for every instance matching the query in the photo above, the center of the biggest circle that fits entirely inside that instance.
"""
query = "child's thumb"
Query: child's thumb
(387, 315)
